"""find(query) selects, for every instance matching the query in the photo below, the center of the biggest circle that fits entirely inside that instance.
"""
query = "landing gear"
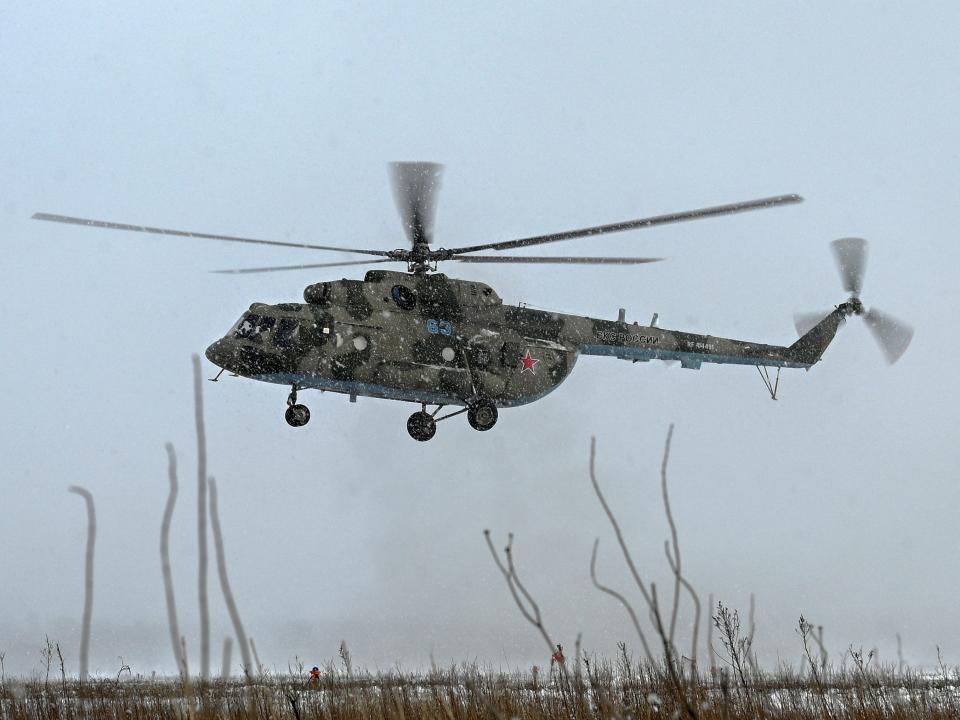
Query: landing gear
(296, 415)
(482, 415)
(421, 426)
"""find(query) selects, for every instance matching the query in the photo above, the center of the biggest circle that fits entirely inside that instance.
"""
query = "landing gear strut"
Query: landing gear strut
(296, 415)
(481, 414)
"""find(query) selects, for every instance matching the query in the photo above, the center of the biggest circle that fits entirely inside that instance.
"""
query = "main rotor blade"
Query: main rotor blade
(805, 322)
(554, 260)
(204, 236)
(851, 257)
(415, 186)
(636, 224)
(892, 335)
(241, 271)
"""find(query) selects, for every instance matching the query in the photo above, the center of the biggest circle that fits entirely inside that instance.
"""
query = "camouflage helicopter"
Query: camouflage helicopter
(423, 337)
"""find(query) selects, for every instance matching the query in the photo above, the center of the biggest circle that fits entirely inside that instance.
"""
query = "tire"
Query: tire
(483, 415)
(421, 426)
(297, 415)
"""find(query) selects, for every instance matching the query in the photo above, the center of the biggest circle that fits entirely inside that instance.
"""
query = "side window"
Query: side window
(247, 327)
(287, 334)
(253, 326)
(404, 297)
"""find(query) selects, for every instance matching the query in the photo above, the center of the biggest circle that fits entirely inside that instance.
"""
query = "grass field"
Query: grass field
(597, 689)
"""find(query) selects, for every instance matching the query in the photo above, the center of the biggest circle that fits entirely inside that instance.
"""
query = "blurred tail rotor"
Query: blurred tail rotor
(851, 257)
(892, 335)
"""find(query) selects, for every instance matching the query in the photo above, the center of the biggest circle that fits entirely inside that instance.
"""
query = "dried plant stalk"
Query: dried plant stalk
(242, 641)
(201, 521)
(165, 561)
(509, 572)
(88, 579)
(225, 662)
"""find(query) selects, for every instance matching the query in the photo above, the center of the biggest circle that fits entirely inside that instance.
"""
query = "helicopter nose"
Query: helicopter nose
(217, 353)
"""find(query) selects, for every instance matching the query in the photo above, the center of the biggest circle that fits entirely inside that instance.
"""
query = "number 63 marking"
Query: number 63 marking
(440, 327)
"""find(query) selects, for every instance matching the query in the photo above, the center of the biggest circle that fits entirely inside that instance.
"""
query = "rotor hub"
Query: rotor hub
(855, 305)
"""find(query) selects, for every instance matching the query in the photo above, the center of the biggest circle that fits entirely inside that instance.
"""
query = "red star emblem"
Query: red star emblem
(529, 363)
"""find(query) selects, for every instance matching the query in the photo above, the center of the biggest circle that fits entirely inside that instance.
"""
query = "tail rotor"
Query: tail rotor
(892, 335)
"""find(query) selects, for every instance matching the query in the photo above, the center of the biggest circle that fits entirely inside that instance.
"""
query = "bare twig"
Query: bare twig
(710, 648)
(696, 604)
(346, 658)
(751, 655)
(88, 578)
(674, 558)
(674, 675)
(46, 653)
(201, 521)
(727, 621)
(225, 661)
(900, 664)
(621, 599)
(613, 521)
(225, 582)
(63, 672)
(165, 560)
(123, 666)
(806, 632)
(673, 535)
(256, 657)
(531, 615)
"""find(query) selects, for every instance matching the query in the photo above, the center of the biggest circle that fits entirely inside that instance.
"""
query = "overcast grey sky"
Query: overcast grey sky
(277, 120)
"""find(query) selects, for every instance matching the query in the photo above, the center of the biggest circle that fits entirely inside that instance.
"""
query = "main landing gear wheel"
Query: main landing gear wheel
(482, 415)
(297, 415)
(421, 426)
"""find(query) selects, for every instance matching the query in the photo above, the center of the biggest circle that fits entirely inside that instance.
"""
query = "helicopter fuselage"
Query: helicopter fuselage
(432, 339)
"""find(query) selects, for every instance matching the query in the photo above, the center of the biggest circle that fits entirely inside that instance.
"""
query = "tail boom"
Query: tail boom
(643, 343)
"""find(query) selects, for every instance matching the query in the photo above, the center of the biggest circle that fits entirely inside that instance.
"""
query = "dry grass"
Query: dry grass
(602, 689)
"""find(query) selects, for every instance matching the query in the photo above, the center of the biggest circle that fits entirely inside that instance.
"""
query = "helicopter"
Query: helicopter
(421, 336)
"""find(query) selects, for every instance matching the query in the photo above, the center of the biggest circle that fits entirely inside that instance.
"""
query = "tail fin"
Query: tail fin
(812, 344)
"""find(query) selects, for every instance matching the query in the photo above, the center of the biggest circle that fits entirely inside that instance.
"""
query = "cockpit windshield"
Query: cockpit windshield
(253, 327)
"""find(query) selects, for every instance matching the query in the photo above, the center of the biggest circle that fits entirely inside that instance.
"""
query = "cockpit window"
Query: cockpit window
(404, 297)
(253, 327)
(287, 334)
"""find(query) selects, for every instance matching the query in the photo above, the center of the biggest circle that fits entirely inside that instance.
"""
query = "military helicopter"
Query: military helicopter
(423, 337)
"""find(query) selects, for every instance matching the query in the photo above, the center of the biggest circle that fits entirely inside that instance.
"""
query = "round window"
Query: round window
(404, 297)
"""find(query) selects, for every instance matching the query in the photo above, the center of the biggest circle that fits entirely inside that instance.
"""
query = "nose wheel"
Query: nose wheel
(296, 415)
